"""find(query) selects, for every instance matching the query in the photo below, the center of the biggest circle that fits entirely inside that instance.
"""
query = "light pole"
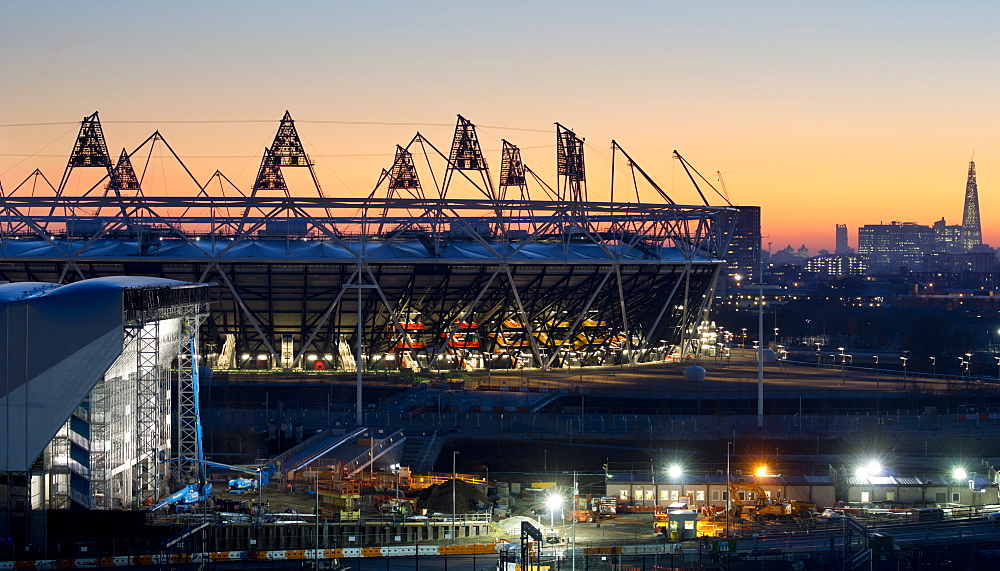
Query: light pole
(904, 360)
(454, 476)
(744, 337)
(728, 494)
(553, 503)
(260, 495)
(817, 353)
(876, 383)
(998, 367)
(676, 472)
(934, 366)
(842, 359)
(395, 469)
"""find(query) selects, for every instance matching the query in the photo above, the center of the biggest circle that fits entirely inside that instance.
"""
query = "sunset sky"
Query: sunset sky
(822, 113)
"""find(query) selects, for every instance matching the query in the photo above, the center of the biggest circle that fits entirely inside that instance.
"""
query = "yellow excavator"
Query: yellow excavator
(762, 507)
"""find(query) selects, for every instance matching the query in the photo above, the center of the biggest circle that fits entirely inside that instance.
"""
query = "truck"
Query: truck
(607, 507)
(590, 508)
(764, 508)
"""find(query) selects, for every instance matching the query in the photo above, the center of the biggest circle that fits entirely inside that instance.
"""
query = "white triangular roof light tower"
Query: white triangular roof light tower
(466, 158)
(89, 151)
(570, 165)
(123, 181)
(286, 151)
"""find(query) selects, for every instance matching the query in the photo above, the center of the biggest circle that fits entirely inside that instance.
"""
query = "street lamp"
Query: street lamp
(553, 502)
(676, 472)
(842, 360)
(904, 360)
(934, 366)
(775, 335)
(866, 471)
(870, 468)
(817, 353)
(744, 337)
(395, 469)
(260, 494)
(727, 492)
(958, 473)
(454, 476)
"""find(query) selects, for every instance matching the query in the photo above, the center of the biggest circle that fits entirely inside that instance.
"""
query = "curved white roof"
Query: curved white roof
(56, 342)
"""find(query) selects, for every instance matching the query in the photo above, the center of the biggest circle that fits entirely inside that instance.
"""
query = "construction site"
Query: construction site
(485, 367)
(418, 282)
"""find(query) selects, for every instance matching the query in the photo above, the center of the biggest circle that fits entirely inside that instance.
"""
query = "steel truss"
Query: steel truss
(535, 275)
(454, 283)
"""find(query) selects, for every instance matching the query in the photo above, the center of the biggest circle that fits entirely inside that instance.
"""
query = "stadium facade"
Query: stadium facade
(407, 278)
(87, 407)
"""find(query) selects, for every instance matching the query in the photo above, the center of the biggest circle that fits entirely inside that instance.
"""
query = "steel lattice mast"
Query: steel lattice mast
(972, 231)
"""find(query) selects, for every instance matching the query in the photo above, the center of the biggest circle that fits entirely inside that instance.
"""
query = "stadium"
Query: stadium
(407, 278)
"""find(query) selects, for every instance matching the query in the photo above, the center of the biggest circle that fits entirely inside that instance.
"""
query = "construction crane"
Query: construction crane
(722, 183)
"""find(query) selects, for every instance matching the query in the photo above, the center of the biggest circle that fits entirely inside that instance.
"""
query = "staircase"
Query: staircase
(421, 450)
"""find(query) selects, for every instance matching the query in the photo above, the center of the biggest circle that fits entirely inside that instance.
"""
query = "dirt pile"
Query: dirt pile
(437, 498)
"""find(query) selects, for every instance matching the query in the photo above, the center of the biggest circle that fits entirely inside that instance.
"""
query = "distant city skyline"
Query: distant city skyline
(855, 113)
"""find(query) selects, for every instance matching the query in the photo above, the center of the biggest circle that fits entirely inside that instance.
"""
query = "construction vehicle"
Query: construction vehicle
(590, 508)
(241, 485)
(660, 522)
(190, 494)
(607, 507)
(389, 504)
(756, 505)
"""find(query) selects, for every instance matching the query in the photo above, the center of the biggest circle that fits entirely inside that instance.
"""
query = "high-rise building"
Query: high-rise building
(891, 247)
(743, 256)
(842, 247)
(972, 232)
(948, 238)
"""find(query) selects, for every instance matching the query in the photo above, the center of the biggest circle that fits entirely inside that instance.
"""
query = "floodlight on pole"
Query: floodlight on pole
(553, 503)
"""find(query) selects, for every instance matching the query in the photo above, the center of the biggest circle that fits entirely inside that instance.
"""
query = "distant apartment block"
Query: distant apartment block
(743, 256)
(890, 248)
(833, 265)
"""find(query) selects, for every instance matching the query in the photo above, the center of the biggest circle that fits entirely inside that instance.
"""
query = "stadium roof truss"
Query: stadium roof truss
(452, 282)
